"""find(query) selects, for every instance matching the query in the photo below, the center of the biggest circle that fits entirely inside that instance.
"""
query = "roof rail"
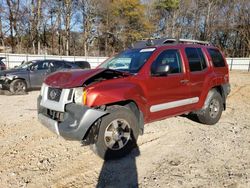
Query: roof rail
(166, 41)
(193, 41)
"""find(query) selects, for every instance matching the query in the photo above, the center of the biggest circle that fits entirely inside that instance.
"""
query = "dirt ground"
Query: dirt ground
(175, 152)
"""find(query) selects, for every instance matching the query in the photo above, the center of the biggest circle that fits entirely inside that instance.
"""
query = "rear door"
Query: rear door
(198, 70)
(56, 66)
(168, 94)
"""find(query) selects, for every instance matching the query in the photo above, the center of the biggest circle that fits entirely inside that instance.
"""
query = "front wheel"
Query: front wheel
(213, 110)
(117, 134)
(18, 86)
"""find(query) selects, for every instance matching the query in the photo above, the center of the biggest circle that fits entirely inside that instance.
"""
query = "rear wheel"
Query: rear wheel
(18, 86)
(117, 134)
(213, 110)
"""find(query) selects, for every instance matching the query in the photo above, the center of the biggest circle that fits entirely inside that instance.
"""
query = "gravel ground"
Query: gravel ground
(175, 152)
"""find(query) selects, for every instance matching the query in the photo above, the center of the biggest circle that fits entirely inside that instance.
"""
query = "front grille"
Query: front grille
(57, 116)
(54, 94)
(70, 94)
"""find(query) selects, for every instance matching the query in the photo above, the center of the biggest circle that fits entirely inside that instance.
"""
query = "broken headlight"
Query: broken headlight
(80, 96)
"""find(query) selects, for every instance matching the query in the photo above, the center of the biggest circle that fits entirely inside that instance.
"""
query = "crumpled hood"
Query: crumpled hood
(71, 78)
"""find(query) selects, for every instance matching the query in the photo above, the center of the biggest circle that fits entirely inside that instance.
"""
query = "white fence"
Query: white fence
(13, 60)
(239, 63)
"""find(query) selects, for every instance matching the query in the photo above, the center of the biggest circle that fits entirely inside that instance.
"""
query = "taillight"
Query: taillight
(226, 78)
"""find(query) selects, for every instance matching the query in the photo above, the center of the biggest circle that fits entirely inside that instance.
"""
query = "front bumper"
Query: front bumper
(77, 119)
(4, 84)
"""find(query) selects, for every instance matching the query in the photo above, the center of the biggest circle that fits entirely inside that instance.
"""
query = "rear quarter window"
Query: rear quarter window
(217, 58)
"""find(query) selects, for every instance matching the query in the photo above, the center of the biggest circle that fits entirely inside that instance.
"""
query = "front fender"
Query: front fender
(113, 93)
(11, 78)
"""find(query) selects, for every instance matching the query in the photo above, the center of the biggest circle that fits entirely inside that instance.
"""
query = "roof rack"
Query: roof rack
(193, 41)
(166, 41)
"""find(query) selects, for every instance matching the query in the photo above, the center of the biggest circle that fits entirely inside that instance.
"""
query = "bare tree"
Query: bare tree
(1, 25)
(87, 12)
(109, 26)
(38, 26)
(13, 8)
(67, 14)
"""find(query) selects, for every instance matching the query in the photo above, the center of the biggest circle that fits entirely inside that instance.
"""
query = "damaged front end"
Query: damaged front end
(64, 117)
(73, 123)
(62, 104)
(5, 81)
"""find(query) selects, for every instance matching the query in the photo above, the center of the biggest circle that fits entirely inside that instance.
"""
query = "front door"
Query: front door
(38, 72)
(168, 94)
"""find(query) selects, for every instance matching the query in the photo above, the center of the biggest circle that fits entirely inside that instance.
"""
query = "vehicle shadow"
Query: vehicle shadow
(120, 173)
(8, 93)
(192, 117)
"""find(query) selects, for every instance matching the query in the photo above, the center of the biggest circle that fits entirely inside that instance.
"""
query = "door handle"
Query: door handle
(184, 81)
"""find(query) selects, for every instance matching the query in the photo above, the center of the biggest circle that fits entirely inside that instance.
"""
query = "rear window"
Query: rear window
(217, 58)
(57, 64)
(83, 64)
(67, 65)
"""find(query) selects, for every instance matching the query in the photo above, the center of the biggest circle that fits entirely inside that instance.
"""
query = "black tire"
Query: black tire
(110, 139)
(18, 86)
(213, 108)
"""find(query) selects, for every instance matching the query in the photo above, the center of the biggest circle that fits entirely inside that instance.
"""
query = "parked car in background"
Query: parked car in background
(2, 65)
(83, 64)
(30, 75)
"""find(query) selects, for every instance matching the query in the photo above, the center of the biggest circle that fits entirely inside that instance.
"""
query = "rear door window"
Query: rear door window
(202, 58)
(217, 58)
(57, 65)
(41, 65)
(196, 59)
(67, 65)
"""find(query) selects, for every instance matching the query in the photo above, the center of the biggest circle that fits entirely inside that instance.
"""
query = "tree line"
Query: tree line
(104, 27)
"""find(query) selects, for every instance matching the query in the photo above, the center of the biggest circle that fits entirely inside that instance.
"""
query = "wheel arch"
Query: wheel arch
(220, 89)
(133, 106)
(130, 104)
(19, 78)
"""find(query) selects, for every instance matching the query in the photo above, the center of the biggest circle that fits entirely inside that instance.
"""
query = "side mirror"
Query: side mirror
(31, 68)
(161, 70)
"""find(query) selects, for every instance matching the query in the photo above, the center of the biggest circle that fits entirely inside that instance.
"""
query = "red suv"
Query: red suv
(107, 107)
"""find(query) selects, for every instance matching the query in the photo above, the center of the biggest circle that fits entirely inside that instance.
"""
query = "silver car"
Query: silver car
(30, 75)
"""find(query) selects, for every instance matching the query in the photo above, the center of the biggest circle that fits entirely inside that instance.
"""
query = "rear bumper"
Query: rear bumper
(226, 89)
(76, 121)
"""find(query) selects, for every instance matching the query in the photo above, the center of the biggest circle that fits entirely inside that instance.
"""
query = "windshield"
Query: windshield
(129, 61)
(24, 65)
